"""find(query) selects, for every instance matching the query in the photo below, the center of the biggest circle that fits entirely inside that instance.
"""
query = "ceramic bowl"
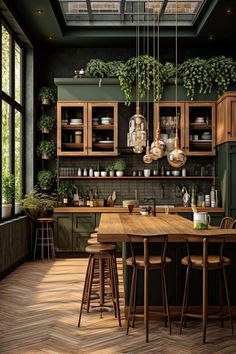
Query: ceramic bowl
(144, 213)
(175, 173)
(103, 173)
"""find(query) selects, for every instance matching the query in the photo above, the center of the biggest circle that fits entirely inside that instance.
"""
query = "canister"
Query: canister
(78, 137)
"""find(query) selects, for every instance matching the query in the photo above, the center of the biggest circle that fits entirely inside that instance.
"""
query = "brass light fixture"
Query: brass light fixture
(176, 157)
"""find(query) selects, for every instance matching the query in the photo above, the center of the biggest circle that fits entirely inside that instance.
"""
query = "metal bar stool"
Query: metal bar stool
(101, 274)
(147, 263)
(205, 263)
(44, 237)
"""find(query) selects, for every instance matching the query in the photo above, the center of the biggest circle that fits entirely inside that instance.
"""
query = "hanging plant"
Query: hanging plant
(114, 68)
(46, 149)
(47, 95)
(46, 123)
(223, 71)
(96, 68)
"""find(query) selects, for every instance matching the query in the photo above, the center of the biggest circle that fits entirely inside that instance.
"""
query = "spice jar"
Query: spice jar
(78, 137)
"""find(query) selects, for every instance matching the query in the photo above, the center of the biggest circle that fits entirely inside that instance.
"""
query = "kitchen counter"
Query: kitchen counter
(117, 209)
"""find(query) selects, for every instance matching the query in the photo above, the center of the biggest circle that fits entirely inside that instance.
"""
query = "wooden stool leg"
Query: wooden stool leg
(227, 298)
(166, 297)
(163, 299)
(101, 284)
(115, 288)
(135, 297)
(131, 300)
(48, 239)
(185, 299)
(42, 243)
(52, 243)
(146, 304)
(90, 282)
(85, 289)
(221, 297)
(36, 240)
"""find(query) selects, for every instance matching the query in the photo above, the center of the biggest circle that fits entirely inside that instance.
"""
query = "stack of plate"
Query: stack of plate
(75, 121)
(200, 120)
(64, 121)
(95, 121)
(106, 120)
(206, 136)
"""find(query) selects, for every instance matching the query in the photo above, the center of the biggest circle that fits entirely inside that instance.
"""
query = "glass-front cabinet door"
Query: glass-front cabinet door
(102, 128)
(165, 114)
(200, 128)
(72, 128)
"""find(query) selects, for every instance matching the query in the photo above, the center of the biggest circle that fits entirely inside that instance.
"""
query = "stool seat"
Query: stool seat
(212, 261)
(92, 241)
(93, 235)
(153, 261)
(96, 229)
(45, 220)
(100, 247)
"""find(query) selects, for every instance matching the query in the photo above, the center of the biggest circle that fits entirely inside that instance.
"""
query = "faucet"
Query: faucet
(154, 204)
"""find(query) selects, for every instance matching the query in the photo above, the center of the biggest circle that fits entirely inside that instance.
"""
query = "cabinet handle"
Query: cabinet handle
(58, 148)
(89, 148)
(187, 148)
(229, 133)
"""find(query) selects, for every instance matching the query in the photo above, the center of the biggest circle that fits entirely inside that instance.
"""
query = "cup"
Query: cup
(147, 172)
(195, 137)
(130, 208)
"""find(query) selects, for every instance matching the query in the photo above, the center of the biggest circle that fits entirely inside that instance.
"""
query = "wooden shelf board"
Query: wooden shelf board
(73, 127)
(139, 177)
(103, 127)
(73, 145)
(200, 126)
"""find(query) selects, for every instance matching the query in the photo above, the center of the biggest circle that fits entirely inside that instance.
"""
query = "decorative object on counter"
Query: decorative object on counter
(45, 179)
(140, 173)
(168, 172)
(110, 170)
(8, 188)
(155, 172)
(119, 167)
(184, 172)
(96, 173)
(79, 172)
(130, 208)
(212, 197)
(175, 173)
(103, 173)
(147, 172)
(47, 95)
(144, 211)
(79, 137)
(207, 200)
(38, 204)
(46, 149)
(79, 73)
(162, 171)
(65, 192)
(201, 221)
(133, 202)
(200, 199)
(46, 123)
(90, 172)
(176, 157)
(85, 172)
(193, 195)
(186, 197)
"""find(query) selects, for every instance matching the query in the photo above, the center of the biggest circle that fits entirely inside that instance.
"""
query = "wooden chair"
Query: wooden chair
(226, 222)
(147, 263)
(233, 225)
(101, 271)
(205, 263)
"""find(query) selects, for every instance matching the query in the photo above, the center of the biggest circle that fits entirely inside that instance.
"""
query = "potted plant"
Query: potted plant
(65, 192)
(45, 179)
(38, 204)
(46, 149)
(47, 95)
(46, 123)
(8, 187)
(97, 171)
(110, 170)
(119, 167)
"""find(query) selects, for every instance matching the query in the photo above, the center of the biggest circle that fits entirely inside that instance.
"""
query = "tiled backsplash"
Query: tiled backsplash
(165, 191)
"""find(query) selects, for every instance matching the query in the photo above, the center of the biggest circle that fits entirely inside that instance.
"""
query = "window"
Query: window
(12, 121)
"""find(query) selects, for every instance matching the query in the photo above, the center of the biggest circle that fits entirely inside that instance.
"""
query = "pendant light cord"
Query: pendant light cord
(176, 67)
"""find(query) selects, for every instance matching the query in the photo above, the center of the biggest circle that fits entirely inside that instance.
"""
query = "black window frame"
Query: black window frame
(13, 107)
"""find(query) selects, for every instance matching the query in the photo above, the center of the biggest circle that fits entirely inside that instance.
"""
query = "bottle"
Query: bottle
(163, 171)
(87, 200)
(85, 172)
(212, 196)
(184, 172)
(91, 202)
(79, 172)
(90, 172)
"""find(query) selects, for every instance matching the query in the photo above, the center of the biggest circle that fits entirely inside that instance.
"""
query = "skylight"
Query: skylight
(129, 12)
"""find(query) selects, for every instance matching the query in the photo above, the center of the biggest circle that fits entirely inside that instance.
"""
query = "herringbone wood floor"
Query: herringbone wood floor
(39, 305)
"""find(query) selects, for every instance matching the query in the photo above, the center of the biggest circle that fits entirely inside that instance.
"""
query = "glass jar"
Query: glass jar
(78, 137)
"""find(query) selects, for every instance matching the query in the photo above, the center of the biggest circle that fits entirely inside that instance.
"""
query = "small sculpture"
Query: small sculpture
(186, 196)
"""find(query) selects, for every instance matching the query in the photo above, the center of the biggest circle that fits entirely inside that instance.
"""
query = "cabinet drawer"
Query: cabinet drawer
(83, 222)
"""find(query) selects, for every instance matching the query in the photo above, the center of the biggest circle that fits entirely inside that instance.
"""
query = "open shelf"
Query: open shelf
(103, 127)
(139, 177)
(73, 127)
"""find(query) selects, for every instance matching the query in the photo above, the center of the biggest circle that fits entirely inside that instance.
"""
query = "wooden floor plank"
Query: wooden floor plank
(39, 306)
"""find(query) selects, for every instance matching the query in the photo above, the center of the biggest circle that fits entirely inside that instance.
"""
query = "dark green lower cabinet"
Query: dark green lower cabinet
(83, 225)
(63, 232)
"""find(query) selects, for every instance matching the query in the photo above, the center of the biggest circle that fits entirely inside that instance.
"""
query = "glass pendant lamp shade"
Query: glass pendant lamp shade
(148, 158)
(158, 147)
(137, 131)
(177, 157)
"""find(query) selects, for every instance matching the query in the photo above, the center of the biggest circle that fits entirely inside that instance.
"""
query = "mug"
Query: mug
(147, 172)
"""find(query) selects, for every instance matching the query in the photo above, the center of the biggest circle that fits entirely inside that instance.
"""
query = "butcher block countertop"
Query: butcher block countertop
(117, 209)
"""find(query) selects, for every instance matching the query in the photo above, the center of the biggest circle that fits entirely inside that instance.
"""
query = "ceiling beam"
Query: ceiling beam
(122, 10)
(90, 15)
(163, 7)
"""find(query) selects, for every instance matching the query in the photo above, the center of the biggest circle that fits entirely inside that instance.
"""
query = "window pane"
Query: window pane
(5, 61)
(18, 156)
(5, 140)
(17, 73)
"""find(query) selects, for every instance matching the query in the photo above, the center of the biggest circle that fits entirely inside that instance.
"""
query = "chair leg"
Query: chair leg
(185, 299)
(131, 300)
(166, 298)
(84, 290)
(227, 298)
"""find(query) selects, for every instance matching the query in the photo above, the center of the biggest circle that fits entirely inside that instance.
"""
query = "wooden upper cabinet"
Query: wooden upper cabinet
(165, 113)
(226, 118)
(72, 128)
(103, 128)
(200, 128)
(87, 128)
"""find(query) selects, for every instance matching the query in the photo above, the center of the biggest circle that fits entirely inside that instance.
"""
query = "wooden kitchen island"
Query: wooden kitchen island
(116, 227)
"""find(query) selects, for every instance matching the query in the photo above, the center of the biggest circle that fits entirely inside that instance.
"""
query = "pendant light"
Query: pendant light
(137, 123)
(176, 157)
(158, 146)
(147, 158)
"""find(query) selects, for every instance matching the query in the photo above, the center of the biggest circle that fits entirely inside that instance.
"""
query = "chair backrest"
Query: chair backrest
(146, 239)
(233, 225)
(226, 222)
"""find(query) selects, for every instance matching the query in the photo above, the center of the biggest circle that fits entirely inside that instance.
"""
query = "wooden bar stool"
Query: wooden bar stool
(205, 263)
(101, 273)
(44, 237)
(147, 263)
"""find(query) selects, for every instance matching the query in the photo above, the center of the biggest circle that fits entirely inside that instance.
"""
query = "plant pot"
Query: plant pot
(45, 157)
(18, 207)
(46, 102)
(111, 173)
(103, 173)
(96, 173)
(119, 173)
(6, 210)
(45, 131)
